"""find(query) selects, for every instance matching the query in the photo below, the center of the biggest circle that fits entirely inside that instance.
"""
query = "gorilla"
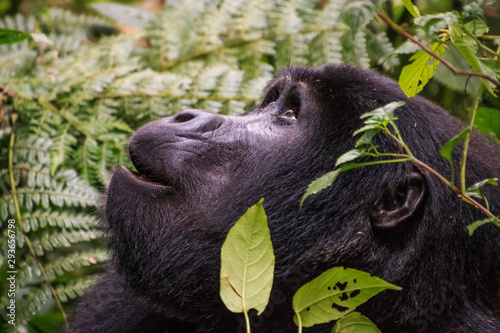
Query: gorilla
(198, 172)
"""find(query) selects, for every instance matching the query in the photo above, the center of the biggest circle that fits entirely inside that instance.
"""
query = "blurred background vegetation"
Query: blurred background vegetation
(96, 71)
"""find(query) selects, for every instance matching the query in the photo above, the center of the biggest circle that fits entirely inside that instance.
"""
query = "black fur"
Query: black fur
(199, 172)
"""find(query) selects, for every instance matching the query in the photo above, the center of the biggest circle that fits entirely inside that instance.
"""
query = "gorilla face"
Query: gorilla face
(198, 172)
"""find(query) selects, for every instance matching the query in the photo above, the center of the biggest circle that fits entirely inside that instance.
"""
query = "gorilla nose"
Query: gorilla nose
(197, 121)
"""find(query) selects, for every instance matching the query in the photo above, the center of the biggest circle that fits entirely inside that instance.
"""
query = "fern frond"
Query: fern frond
(53, 240)
(61, 265)
(69, 219)
(38, 297)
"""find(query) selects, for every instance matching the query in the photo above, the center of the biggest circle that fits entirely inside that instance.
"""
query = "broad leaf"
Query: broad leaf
(480, 223)
(320, 184)
(487, 120)
(12, 36)
(354, 322)
(415, 76)
(247, 263)
(334, 294)
(411, 8)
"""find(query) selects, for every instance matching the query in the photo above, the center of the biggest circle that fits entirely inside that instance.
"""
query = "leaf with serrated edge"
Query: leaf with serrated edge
(247, 263)
(468, 47)
(354, 322)
(320, 184)
(334, 294)
(350, 155)
(415, 76)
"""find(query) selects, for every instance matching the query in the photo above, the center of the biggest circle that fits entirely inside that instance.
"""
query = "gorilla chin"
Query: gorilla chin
(198, 172)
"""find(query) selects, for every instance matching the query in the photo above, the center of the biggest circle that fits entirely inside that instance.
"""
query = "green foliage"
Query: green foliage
(376, 121)
(411, 8)
(461, 32)
(416, 75)
(472, 227)
(382, 120)
(447, 150)
(464, 37)
(12, 36)
(247, 263)
(334, 294)
(247, 272)
(354, 322)
(320, 184)
(487, 120)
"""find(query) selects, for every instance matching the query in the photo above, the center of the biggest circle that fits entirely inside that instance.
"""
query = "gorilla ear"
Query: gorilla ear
(395, 209)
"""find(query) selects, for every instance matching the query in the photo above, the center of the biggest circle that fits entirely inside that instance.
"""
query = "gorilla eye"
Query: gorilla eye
(290, 114)
(287, 118)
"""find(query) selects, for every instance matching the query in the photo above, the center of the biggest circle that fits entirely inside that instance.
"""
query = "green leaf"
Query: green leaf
(476, 27)
(493, 64)
(382, 115)
(447, 150)
(487, 120)
(320, 184)
(355, 323)
(411, 8)
(350, 155)
(334, 294)
(367, 137)
(480, 223)
(448, 147)
(247, 263)
(476, 190)
(468, 47)
(366, 128)
(415, 76)
(12, 36)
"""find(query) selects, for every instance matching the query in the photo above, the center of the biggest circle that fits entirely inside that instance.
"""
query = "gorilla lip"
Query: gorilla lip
(142, 179)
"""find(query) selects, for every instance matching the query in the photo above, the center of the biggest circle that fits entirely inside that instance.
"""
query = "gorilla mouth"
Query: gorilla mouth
(144, 179)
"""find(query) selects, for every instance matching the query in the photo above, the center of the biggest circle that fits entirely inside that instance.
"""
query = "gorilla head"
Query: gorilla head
(198, 172)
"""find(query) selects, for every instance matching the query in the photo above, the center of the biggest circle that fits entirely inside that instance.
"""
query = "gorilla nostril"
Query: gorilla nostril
(183, 117)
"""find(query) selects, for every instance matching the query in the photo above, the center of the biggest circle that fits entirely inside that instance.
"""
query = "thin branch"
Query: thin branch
(481, 45)
(457, 190)
(452, 68)
(467, 140)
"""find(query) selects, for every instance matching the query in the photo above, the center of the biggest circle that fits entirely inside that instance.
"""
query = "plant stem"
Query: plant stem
(467, 140)
(457, 190)
(27, 240)
(247, 321)
(481, 45)
(452, 68)
(299, 322)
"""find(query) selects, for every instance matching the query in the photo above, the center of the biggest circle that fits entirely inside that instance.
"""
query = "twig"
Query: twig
(452, 68)
(457, 190)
